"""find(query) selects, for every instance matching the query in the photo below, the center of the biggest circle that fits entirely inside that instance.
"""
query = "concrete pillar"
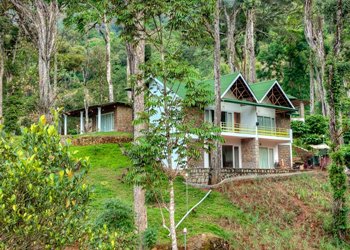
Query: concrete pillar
(99, 119)
(81, 122)
(302, 110)
(65, 124)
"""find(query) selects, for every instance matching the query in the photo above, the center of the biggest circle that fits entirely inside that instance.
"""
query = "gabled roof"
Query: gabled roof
(258, 90)
(262, 89)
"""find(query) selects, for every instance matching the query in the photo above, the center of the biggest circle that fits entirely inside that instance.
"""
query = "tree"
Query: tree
(231, 9)
(38, 19)
(249, 47)
(132, 18)
(86, 15)
(315, 38)
(171, 131)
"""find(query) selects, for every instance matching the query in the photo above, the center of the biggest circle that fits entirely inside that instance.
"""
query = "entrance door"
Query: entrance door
(237, 121)
(227, 156)
(266, 159)
(107, 122)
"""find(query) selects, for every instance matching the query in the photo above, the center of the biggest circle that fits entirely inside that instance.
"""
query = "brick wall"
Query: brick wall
(284, 156)
(250, 153)
(196, 116)
(200, 175)
(123, 119)
(282, 120)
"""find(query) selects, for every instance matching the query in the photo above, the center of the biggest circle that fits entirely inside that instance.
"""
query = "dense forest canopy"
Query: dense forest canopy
(78, 59)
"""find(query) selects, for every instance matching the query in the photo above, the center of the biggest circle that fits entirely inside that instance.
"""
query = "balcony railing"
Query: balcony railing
(238, 128)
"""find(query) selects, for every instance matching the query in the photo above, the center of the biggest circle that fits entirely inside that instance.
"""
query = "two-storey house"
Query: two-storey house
(255, 122)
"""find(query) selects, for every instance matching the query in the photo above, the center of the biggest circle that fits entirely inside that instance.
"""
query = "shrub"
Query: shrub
(42, 195)
(107, 239)
(117, 215)
(150, 238)
(299, 128)
(316, 124)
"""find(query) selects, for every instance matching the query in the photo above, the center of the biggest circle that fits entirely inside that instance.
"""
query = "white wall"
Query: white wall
(261, 111)
(248, 116)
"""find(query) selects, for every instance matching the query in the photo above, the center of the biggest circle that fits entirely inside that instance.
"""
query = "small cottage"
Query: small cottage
(114, 116)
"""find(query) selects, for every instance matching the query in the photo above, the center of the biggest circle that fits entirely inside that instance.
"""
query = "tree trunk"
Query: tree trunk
(314, 36)
(312, 88)
(172, 217)
(136, 57)
(2, 70)
(231, 38)
(250, 52)
(216, 155)
(108, 60)
(38, 19)
(44, 83)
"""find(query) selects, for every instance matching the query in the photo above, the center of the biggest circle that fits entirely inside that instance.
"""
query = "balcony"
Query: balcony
(261, 131)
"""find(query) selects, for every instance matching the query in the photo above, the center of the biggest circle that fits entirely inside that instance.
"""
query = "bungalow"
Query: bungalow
(115, 116)
(255, 123)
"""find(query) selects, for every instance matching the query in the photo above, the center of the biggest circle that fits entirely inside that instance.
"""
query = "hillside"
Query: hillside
(267, 214)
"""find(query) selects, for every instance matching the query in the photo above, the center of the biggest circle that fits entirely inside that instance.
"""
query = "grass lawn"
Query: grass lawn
(289, 214)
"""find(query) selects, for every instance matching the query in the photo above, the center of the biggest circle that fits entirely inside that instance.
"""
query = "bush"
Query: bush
(117, 215)
(299, 128)
(107, 239)
(150, 238)
(42, 195)
(316, 124)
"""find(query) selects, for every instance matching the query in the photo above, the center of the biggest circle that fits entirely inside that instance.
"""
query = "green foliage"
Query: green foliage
(338, 181)
(150, 237)
(299, 128)
(313, 131)
(42, 196)
(103, 238)
(116, 216)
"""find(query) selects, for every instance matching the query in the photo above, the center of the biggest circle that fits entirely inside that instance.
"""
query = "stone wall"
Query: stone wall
(284, 156)
(93, 140)
(282, 120)
(194, 115)
(123, 119)
(200, 175)
(250, 153)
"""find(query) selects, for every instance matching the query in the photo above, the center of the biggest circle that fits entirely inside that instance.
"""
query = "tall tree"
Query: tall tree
(315, 38)
(132, 19)
(231, 9)
(217, 75)
(38, 19)
(249, 47)
(89, 14)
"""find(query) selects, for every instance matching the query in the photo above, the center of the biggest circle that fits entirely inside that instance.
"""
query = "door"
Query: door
(263, 158)
(236, 156)
(237, 121)
(107, 122)
(227, 156)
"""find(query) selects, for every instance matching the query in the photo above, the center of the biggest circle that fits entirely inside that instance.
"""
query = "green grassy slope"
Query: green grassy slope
(289, 214)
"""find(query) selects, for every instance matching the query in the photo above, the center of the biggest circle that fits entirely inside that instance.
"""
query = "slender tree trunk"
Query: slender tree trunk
(44, 83)
(136, 57)
(2, 70)
(231, 38)
(312, 88)
(216, 154)
(108, 60)
(172, 216)
(250, 52)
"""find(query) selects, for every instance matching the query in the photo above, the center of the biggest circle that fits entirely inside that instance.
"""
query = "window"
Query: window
(266, 158)
(209, 116)
(226, 119)
(230, 156)
(266, 122)
(107, 122)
